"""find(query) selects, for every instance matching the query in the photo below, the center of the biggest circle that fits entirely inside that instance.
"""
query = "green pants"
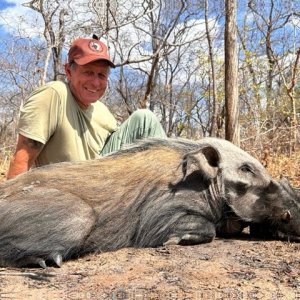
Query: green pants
(141, 124)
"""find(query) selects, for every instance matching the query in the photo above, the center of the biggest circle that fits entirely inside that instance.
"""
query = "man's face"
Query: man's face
(88, 82)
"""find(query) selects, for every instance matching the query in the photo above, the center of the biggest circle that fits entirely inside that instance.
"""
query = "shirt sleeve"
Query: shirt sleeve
(40, 115)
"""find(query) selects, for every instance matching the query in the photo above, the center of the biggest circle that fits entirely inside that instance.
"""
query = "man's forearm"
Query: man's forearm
(27, 150)
(18, 164)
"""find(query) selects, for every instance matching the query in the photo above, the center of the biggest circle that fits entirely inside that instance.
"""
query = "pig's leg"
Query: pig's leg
(191, 230)
(43, 226)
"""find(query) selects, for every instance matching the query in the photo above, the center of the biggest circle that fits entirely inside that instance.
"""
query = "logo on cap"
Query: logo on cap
(95, 46)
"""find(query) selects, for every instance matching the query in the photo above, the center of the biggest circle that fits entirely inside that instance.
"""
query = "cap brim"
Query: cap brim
(85, 60)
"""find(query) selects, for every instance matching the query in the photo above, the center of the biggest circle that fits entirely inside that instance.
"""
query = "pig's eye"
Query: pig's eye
(246, 169)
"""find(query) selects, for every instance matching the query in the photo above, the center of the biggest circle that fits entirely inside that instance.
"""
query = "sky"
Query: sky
(5, 4)
(11, 12)
(16, 18)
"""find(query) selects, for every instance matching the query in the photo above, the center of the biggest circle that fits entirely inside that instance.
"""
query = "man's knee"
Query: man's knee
(146, 124)
(143, 115)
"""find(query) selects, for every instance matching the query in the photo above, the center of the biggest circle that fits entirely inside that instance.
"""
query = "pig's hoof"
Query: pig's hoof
(192, 239)
(188, 239)
(57, 259)
(174, 240)
(42, 263)
(53, 259)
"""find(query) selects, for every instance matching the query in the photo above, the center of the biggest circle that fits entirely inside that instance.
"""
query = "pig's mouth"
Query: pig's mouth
(286, 237)
(267, 231)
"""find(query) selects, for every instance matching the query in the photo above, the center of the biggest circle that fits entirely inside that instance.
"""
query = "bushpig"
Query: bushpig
(154, 193)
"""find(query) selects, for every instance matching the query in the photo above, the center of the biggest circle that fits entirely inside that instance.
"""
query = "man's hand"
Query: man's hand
(27, 150)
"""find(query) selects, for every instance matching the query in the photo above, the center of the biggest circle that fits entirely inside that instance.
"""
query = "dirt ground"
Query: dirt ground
(242, 268)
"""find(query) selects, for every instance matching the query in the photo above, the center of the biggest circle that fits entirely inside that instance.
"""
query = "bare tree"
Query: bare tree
(215, 108)
(231, 74)
(291, 93)
(170, 58)
(53, 15)
(159, 40)
(269, 42)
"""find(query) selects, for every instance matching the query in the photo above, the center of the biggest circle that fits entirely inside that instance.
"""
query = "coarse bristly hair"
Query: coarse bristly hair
(150, 194)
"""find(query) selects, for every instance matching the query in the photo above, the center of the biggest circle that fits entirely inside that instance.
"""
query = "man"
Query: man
(66, 122)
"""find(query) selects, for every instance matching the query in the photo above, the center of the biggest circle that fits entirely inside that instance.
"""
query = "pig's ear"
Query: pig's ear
(205, 161)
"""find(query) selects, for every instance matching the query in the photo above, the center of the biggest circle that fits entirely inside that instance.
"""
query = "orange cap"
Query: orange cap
(84, 51)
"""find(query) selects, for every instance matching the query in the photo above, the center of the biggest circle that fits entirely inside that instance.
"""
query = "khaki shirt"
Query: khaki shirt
(52, 116)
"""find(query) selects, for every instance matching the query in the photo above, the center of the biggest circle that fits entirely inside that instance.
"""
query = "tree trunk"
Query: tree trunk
(231, 74)
(214, 110)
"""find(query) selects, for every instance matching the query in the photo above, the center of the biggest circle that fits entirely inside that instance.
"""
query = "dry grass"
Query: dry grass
(282, 165)
(4, 163)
